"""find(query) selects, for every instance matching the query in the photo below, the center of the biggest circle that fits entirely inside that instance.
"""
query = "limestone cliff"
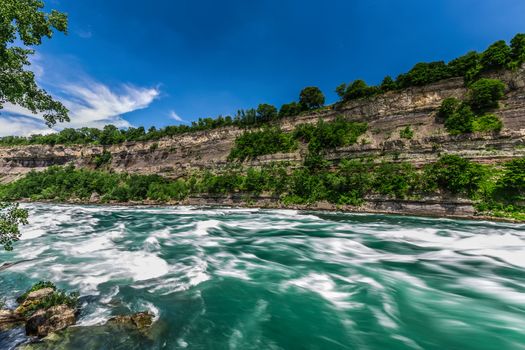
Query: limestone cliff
(385, 114)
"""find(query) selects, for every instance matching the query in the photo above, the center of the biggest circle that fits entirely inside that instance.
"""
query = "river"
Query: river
(219, 278)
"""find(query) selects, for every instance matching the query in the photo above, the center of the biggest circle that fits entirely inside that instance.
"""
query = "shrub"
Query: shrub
(496, 56)
(290, 109)
(266, 112)
(265, 141)
(323, 135)
(511, 186)
(388, 84)
(311, 98)
(487, 123)
(517, 45)
(462, 65)
(485, 94)
(406, 133)
(358, 89)
(454, 174)
(424, 73)
(460, 121)
(102, 159)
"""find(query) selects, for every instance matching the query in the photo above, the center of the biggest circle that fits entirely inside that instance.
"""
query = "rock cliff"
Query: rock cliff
(385, 114)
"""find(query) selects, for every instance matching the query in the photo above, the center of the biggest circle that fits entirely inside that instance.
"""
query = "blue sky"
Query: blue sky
(159, 62)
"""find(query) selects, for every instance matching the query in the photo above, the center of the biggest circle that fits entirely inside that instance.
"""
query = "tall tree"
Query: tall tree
(311, 98)
(23, 25)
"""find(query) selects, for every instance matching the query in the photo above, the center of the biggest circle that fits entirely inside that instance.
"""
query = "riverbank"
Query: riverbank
(433, 207)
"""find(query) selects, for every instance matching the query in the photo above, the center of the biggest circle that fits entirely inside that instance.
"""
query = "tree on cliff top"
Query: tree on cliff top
(24, 23)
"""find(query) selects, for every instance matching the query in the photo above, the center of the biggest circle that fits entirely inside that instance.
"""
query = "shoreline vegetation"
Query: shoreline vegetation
(493, 190)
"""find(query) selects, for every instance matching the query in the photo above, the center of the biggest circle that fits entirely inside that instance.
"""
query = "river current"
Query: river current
(219, 278)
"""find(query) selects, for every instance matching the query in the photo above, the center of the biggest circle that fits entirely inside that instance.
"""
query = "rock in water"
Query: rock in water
(9, 319)
(34, 298)
(140, 320)
(56, 318)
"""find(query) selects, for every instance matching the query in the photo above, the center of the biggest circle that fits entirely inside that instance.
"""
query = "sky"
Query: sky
(167, 62)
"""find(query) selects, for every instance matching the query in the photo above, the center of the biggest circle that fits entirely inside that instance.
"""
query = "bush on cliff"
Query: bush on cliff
(455, 175)
(485, 94)
(268, 140)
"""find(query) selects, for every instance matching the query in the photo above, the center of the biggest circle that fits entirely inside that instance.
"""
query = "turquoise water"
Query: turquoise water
(269, 279)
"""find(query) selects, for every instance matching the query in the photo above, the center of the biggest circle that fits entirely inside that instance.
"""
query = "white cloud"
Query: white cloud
(10, 125)
(175, 116)
(91, 104)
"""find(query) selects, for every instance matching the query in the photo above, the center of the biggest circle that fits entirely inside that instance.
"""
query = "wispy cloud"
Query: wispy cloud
(91, 104)
(175, 116)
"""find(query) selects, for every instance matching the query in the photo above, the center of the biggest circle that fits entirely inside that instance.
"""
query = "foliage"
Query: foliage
(58, 297)
(485, 94)
(454, 174)
(457, 116)
(37, 286)
(517, 45)
(102, 159)
(311, 98)
(11, 216)
(268, 140)
(423, 74)
(24, 23)
(466, 65)
(388, 84)
(406, 133)
(358, 89)
(266, 113)
(487, 123)
(325, 135)
(497, 55)
(498, 190)
(511, 186)
(290, 109)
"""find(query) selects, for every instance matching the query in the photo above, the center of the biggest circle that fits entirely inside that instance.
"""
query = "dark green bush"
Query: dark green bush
(497, 55)
(423, 74)
(290, 110)
(325, 135)
(454, 174)
(268, 140)
(460, 121)
(485, 93)
(406, 133)
(311, 98)
(517, 45)
(511, 186)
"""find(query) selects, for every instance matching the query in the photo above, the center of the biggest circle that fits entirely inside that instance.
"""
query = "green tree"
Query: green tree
(24, 22)
(465, 66)
(266, 112)
(388, 84)
(496, 56)
(289, 109)
(517, 45)
(311, 98)
(11, 216)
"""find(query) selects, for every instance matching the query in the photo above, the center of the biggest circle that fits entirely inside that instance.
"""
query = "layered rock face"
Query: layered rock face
(385, 114)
